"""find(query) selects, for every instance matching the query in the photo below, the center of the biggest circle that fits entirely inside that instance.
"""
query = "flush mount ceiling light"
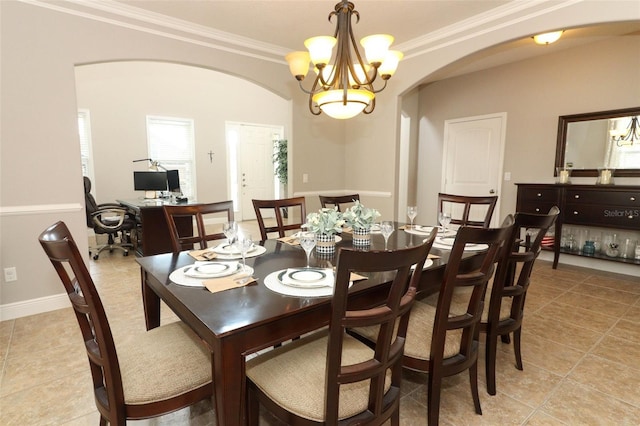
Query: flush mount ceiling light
(343, 86)
(547, 38)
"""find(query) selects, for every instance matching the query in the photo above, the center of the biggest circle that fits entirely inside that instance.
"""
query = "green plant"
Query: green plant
(326, 221)
(280, 160)
(360, 217)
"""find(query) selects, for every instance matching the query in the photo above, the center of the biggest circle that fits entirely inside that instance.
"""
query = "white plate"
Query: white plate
(427, 263)
(178, 276)
(446, 243)
(272, 282)
(229, 249)
(306, 278)
(212, 269)
(256, 250)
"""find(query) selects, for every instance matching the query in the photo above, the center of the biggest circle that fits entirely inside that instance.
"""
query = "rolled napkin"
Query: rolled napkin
(225, 283)
(205, 254)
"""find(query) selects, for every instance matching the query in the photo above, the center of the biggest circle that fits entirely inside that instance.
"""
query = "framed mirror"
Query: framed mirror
(605, 139)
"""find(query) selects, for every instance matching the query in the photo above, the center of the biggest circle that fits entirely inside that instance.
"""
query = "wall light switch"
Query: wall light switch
(305, 178)
(507, 176)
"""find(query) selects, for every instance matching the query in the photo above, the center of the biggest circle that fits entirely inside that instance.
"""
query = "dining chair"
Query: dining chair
(330, 200)
(504, 312)
(443, 338)
(330, 377)
(158, 372)
(464, 208)
(182, 237)
(265, 208)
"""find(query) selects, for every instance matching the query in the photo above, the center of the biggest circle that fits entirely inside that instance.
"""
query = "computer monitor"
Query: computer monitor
(173, 181)
(150, 181)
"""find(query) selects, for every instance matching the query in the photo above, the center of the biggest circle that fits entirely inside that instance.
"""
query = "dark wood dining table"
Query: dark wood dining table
(241, 321)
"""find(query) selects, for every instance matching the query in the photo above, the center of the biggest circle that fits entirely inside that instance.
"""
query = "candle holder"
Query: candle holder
(563, 175)
(605, 176)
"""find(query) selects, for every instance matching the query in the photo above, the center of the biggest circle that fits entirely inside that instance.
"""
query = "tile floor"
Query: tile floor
(581, 354)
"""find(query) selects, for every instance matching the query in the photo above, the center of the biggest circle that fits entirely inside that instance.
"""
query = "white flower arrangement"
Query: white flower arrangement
(326, 221)
(360, 217)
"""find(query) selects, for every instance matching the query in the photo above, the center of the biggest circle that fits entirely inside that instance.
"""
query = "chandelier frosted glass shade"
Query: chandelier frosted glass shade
(332, 102)
(344, 78)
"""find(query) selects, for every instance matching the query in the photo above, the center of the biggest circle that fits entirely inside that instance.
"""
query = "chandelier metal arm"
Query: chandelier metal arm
(633, 134)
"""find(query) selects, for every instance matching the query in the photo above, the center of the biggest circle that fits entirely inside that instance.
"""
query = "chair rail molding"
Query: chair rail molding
(40, 209)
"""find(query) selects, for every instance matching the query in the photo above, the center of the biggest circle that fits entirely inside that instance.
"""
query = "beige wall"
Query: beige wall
(533, 93)
(39, 169)
(120, 95)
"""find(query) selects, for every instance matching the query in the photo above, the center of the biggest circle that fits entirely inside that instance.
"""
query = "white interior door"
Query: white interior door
(473, 157)
(255, 166)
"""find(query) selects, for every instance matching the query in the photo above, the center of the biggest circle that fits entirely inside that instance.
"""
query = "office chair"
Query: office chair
(109, 218)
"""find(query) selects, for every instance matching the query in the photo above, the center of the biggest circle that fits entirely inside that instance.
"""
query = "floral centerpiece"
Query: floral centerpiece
(360, 219)
(326, 222)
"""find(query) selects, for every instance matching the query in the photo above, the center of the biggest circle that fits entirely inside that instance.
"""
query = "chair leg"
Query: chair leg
(491, 348)
(395, 418)
(516, 348)
(253, 407)
(473, 378)
(505, 339)
(433, 398)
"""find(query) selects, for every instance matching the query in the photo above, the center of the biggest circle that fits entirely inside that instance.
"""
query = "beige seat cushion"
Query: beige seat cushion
(162, 363)
(420, 331)
(505, 307)
(293, 376)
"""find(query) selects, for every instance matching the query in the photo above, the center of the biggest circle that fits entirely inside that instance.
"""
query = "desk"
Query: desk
(152, 231)
(238, 322)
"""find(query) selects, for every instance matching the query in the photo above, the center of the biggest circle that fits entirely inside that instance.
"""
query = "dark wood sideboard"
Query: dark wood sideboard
(602, 206)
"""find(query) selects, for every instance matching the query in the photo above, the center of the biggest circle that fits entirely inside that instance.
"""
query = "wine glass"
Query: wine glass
(230, 230)
(444, 219)
(412, 212)
(243, 243)
(308, 242)
(386, 228)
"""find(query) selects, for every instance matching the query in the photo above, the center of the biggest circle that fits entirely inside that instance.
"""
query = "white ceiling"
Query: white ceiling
(278, 26)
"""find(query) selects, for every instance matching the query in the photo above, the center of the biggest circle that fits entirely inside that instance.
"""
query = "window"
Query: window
(170, 143)
(86, 156)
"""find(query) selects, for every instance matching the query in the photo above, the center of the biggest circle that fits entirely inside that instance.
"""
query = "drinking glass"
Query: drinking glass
(243, 243)
(386, 228)
(412, 212)
(444, 219)
(230, 230)
(308, 242)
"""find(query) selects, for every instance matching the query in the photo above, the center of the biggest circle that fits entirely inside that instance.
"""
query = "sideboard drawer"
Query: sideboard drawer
(599, 215)
(550, 195)
(612, 198)
(539, 207)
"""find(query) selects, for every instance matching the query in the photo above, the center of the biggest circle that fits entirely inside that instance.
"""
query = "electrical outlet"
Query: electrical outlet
(507, 176)
(305, 178)
(10, 274)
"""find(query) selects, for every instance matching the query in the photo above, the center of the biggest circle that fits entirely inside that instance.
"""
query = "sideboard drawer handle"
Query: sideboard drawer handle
(576, 196)
(539, 194)
(575, 213)
(537, 210)
(630, 217)
(632, 198)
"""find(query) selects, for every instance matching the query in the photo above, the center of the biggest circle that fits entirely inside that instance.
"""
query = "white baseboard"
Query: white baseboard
(33, 306)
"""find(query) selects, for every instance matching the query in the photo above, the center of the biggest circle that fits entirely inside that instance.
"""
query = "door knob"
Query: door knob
(491, 191)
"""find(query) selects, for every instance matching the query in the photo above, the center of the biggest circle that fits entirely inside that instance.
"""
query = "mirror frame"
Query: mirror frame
(563, 123)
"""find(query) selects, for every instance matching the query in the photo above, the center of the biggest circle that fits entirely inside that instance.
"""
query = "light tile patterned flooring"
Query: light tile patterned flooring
(581, 354)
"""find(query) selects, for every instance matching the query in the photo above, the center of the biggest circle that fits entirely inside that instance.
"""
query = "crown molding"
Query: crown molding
(131, 17)
(501, 17)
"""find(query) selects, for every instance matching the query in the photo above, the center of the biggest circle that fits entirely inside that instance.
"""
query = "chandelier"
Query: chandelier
(628, 136)
(344, 88)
